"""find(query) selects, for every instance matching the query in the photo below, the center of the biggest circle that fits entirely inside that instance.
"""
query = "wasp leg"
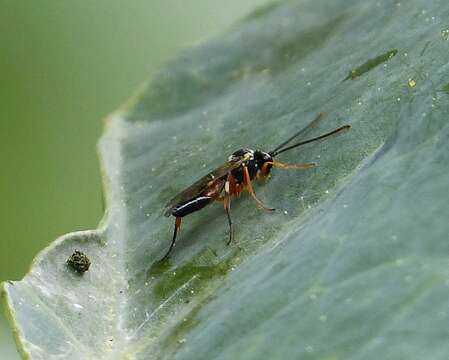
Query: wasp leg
(249, 187)
(227, 207)
(279, 165)
(175, 232)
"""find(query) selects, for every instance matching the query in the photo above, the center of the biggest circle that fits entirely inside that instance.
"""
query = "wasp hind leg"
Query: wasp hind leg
(228, 214)
(227, 207)
(175, 232)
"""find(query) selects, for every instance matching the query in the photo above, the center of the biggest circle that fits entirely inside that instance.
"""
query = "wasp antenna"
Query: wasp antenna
(341, 128)
(300, 132)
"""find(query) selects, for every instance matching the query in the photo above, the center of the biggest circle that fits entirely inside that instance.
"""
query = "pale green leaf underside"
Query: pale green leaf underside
(353, 265)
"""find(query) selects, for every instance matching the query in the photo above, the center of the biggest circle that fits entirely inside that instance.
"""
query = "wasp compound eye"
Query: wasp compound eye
(262, 156)
(79, 262)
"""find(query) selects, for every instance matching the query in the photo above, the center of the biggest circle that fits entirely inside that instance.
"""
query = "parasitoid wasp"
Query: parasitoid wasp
(234, 177)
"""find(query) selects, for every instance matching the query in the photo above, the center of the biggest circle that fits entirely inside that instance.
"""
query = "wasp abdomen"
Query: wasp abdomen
(191, 206)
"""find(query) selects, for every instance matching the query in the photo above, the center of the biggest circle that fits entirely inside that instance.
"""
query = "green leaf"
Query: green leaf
(353, 264)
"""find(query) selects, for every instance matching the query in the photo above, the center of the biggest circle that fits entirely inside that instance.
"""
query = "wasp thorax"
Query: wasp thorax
(241, 153)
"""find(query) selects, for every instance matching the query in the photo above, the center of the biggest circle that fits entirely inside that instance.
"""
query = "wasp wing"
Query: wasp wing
(202, 185)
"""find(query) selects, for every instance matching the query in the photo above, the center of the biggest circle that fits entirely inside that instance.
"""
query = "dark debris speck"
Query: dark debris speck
(79, 262)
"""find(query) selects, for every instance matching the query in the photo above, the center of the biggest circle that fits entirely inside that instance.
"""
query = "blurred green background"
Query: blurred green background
(64, 65)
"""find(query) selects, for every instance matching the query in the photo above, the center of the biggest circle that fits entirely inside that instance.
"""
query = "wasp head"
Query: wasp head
(261, 157)
(253, 160)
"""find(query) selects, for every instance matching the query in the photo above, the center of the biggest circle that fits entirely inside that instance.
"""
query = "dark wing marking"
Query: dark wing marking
(202, 185)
